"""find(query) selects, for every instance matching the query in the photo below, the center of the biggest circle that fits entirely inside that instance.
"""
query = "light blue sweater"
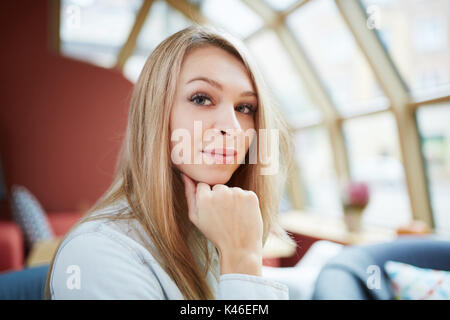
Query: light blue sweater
(105, 259)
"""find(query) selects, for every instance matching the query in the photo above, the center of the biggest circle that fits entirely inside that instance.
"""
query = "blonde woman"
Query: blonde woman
(172, 229)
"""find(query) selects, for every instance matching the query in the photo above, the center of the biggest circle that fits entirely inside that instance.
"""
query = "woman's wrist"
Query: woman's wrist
(245, 262)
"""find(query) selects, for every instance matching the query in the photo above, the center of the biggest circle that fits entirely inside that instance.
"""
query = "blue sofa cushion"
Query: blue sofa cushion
(30, 216)
(27, 284)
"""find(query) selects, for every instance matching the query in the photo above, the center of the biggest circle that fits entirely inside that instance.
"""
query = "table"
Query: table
(332, 229)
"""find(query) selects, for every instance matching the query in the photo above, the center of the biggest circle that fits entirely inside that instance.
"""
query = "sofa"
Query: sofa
(13, 251)
(345, 276)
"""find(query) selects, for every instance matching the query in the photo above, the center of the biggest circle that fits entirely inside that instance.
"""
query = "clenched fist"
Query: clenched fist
(231, 219)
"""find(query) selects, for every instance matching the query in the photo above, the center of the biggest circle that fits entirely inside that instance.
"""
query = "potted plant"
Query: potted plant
(354, 196)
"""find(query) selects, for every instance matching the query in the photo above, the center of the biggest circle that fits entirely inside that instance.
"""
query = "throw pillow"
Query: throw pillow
(29, 215)
(413, 283)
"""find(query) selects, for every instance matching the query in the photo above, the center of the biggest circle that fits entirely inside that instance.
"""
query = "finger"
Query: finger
(219, 187)
(203, 189)
(190, 192)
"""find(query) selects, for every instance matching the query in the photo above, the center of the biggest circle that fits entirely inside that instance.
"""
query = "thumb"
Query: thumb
(190, 191)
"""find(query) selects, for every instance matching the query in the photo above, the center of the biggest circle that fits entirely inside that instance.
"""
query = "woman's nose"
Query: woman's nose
(227, 122)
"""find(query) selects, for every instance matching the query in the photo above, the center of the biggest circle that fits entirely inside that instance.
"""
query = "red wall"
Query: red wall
(61, 120)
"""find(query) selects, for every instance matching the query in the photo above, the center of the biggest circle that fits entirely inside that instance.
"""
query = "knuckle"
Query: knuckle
(218, 187)
(237, 190)
(252, 195)
(222, 191)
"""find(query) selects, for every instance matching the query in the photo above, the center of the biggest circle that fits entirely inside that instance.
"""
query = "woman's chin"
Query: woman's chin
(212, 177)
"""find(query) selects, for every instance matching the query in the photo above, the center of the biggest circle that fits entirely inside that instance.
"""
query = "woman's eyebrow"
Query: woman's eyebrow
(216, 84)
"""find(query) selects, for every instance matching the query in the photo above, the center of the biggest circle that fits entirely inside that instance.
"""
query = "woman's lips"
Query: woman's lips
(221, 155)
(222, 151)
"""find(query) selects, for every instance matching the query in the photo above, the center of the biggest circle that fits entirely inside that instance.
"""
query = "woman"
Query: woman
(170, 226)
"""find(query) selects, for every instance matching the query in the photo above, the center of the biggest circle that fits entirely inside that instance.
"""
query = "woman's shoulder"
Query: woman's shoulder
(104, 250)
(124, 234)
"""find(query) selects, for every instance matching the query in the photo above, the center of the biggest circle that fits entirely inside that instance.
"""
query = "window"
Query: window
(287, 86)
(418, 41)
(430, 76)
(162, 21)
(415, 34)
(374, 156)
(434, 128)
(232, 15)
(332, 50)
(285, 203)
(95, 31)
(315, 161)
(429, 34)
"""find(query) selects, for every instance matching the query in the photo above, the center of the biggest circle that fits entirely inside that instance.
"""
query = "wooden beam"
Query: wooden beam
(255, 34)
(270, 17)
(190, 11)
(364, 113)
(429, 101)
(395, 89)
(293, 8)
(130, 44)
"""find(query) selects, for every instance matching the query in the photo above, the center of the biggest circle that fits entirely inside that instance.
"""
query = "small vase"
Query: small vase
(352, 218)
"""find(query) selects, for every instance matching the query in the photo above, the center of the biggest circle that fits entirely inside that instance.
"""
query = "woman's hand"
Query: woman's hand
(231, 219)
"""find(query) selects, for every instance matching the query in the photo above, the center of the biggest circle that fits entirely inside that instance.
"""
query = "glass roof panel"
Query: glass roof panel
(330, 46)
(162, 21)
(95, 30)
(281, 5)
(315, 160)
(232, 15)
(375, 158)
(417, 36)
(279, 73)
(433, 121)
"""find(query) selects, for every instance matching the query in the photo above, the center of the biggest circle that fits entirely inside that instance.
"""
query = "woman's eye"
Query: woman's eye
(245, 108)
(200, 99)
(204, 100)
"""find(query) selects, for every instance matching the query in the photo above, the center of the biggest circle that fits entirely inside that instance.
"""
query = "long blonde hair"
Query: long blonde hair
(146, 177)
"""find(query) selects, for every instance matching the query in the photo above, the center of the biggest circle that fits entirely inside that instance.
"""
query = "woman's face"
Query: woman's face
(213, 112)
